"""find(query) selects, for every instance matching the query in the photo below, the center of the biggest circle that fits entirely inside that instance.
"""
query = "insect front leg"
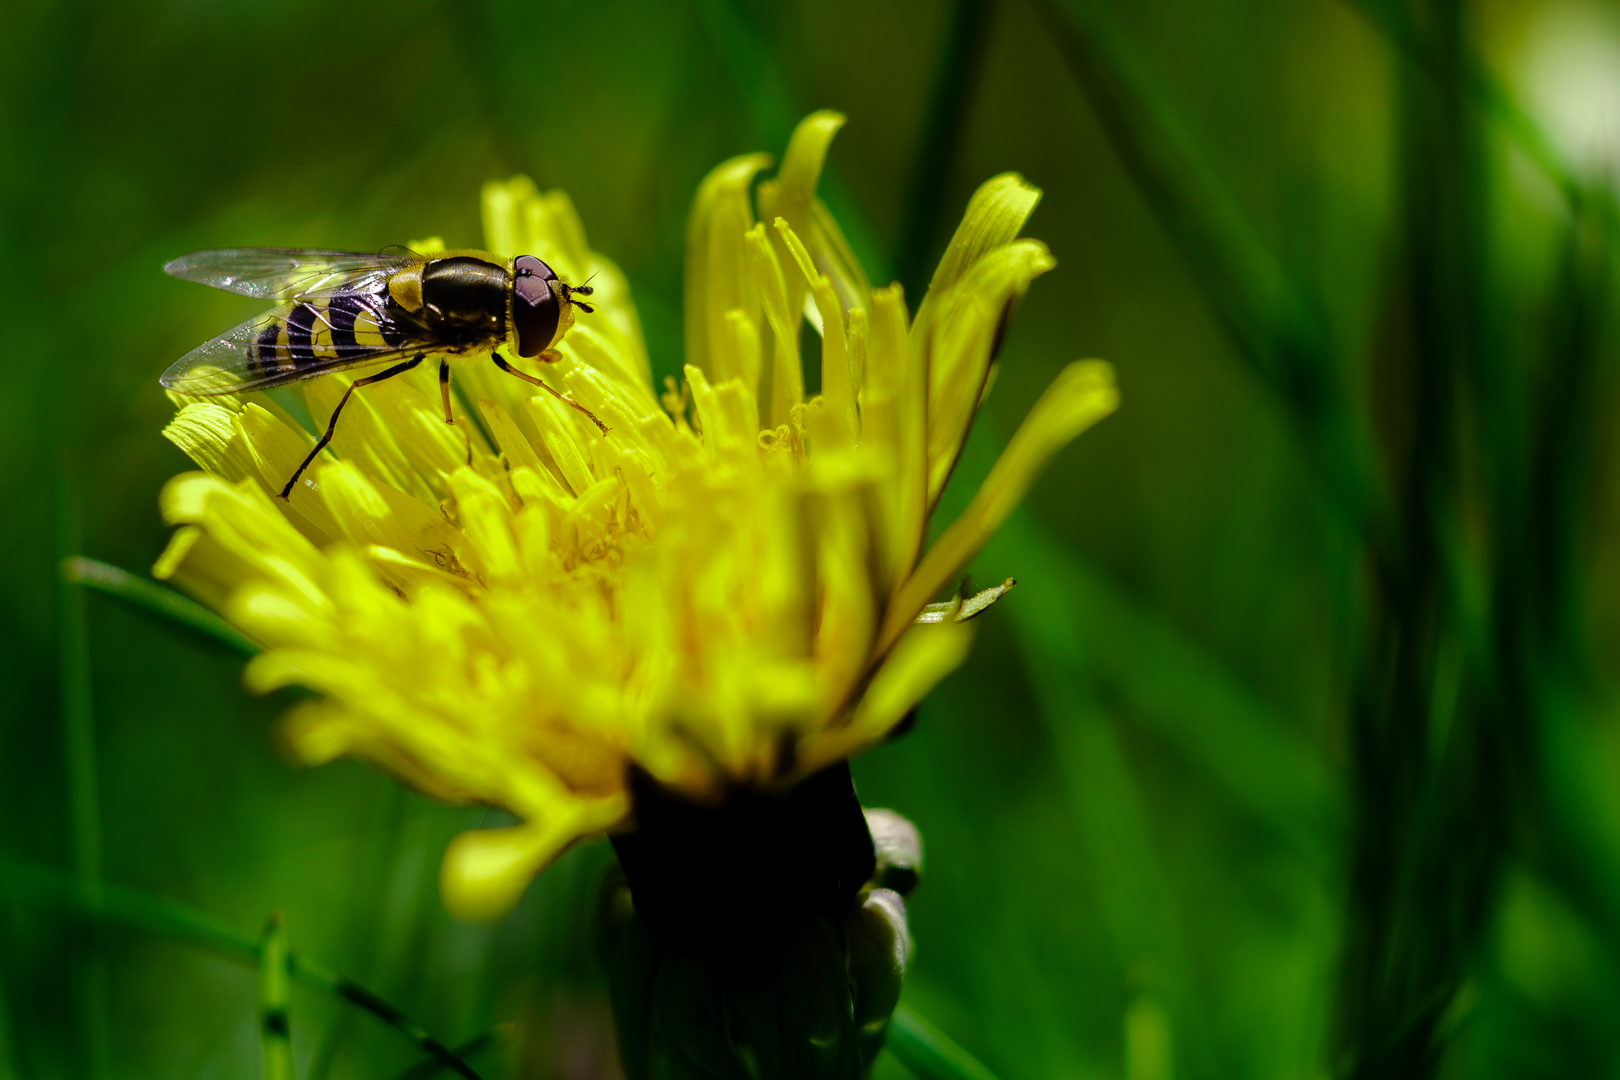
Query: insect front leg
(501, 363)
(331, 427)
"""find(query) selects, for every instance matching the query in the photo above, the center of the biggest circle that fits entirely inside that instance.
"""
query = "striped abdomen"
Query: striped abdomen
(318, 334)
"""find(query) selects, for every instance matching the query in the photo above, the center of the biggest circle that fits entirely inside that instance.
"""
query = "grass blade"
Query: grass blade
(130, 907)
(956, 78)
(83, 789)
(1395, 22)
(10, 1069)
(1275, 321)
(773, 112)
(425, 1069)
(158, 599)
(275, 1026)
(317, 974)
(928, 1052)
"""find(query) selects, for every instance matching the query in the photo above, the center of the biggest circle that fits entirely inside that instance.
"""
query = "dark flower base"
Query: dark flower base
(729, 880)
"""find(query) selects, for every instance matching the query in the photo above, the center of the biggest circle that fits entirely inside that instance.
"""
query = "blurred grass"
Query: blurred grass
(1293, 754)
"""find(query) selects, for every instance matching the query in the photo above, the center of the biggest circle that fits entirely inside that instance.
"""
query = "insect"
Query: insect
(346, 309)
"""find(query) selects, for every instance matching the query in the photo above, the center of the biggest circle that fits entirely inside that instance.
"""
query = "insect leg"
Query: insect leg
(564, 398)
(331, 427)
(444, 393)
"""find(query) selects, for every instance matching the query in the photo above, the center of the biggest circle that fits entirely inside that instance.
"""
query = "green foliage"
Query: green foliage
(1293, 752)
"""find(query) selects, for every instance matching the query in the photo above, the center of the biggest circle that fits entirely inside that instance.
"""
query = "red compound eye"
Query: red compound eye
(535, 309)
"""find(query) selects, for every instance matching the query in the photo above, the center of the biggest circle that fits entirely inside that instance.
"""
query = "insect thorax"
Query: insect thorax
(465, 300)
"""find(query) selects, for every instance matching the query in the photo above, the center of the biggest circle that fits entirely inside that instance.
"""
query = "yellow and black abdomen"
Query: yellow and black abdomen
(457, 304)
(346, 327)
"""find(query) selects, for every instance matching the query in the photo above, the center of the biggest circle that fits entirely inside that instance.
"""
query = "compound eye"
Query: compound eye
(535, 311)
(529, 266)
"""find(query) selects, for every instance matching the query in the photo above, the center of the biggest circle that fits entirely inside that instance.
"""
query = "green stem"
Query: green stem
(79, 746)
(928, 1052)
(275, 1026)
(149, 596)
(130, 907)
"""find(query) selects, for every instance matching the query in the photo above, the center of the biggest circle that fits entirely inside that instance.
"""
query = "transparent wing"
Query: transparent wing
(297, 341)
(289, 273)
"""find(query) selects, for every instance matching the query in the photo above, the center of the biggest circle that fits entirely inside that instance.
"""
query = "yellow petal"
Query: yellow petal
(925, 655)
(994, 217)
(1082, 394)
(893, 419)
(793, 191)
(961, 339)
(486, 522)
(717, 269)
(792, 194)
(502, 200)
(770, 285)
(485, 871)
(836, 259)
(837, 379)
(207, 433)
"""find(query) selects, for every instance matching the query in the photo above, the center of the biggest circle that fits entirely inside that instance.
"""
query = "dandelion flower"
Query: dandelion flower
(728, 592)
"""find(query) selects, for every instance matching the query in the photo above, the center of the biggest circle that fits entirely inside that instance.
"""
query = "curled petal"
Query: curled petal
(717, 267)
(961, 343)
(994, 217)
(486, 870)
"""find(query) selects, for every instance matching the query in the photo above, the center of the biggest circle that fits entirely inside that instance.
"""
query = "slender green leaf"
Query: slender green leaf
(928, 1052)
(148, 595)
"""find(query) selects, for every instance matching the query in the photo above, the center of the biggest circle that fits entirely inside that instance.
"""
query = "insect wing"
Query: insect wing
(293, 342)
(288, 273)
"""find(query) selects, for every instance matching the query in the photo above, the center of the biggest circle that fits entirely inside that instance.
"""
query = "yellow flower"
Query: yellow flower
(723, 591)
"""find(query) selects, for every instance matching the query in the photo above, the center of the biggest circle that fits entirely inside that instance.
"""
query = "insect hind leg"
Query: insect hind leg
(331, 427)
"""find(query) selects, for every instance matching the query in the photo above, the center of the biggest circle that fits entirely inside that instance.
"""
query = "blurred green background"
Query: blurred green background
(1295, 754)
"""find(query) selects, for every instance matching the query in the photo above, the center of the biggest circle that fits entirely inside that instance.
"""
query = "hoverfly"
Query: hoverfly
(345, 309)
